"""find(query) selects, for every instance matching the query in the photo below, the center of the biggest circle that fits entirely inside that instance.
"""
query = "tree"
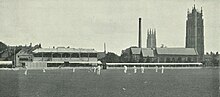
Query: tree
(2, 46)
(179, 60)
(112, 58)
(148, 59)
(214, 59)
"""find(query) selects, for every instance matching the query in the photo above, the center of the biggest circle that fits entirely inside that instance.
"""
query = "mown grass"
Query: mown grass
(111, 83)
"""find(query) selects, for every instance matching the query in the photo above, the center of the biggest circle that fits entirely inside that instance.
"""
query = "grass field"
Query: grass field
(111, 83)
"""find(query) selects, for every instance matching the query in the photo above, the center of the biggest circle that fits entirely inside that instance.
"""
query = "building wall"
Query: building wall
(149, 59)
(22, 58)
(36, 64)
(177, 59)
(135, 58)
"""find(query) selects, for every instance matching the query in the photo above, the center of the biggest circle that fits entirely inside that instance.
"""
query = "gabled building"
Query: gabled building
(148, 55)
(137, 55)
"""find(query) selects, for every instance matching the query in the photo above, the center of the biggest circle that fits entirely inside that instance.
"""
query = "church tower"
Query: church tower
(151, 38)
(195, 31)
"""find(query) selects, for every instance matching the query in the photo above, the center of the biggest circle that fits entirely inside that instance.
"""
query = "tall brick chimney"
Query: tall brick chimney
(139, 37)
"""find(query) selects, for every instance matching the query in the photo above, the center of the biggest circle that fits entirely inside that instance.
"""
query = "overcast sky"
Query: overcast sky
(90, 23)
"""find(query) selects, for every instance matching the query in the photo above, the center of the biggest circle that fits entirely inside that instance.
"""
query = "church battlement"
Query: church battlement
(151, 38)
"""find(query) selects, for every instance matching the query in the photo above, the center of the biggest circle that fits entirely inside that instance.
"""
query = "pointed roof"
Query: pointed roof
(136, 51)
(147, 52)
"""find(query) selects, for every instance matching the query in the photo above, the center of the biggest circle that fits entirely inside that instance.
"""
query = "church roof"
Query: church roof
(176, 51)
(147, 52)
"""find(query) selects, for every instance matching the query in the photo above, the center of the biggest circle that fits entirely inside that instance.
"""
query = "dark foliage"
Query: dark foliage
(2, 46)
(112, 58)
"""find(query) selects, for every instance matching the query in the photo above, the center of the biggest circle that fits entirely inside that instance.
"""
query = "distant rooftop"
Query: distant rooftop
(63, 49)
(146, 52)
(177, 51)
(163, 51)
(136, 51)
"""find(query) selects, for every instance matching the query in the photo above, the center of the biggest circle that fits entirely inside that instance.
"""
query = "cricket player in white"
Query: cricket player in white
(94, 69)
(74, 69)
(26, 71)
(99, 70)
(156, 68)
(135, 69)
(125, 70)
(142, 69)
(44, 70)
(162, 69)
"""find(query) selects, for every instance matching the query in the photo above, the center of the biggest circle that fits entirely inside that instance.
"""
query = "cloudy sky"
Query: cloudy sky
(90, 23)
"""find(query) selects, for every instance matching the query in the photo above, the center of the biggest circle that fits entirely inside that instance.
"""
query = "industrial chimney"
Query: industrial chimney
(139, 37)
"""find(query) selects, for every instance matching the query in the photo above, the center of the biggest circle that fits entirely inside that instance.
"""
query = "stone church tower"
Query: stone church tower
(151, 38)
(195, 31)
